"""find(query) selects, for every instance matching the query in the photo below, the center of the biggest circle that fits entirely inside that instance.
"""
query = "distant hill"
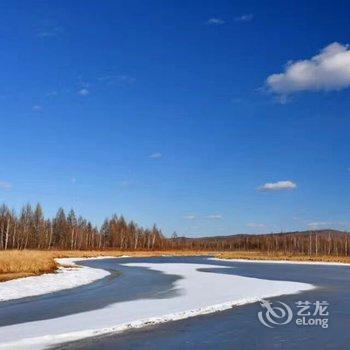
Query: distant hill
(310, 242)
(241, 235)
(306, 232)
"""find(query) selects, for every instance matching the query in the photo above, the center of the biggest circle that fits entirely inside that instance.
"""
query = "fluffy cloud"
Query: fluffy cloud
(215, 21)
(37, 108)
(48, 31)
(5, 185)
(83, 92)
(156, 155)
(190, 217)
(215, 216)
(211, 217)
(245, 18)
(125, 183)
(255, 225)
(279, 185)
(318, 224)
(113, 79)
(329, 70)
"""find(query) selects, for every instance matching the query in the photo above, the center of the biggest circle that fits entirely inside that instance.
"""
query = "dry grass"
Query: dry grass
(24, 263)
(15, 264)
(251, 255)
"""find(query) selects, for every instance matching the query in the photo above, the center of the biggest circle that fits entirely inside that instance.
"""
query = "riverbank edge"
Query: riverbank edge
(15, 264)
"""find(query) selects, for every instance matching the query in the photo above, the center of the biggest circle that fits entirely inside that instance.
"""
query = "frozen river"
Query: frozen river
(149, 288)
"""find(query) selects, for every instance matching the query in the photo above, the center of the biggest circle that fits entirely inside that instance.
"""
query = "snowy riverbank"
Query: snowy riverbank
(69, 275)
(330, 263)
(197, 292)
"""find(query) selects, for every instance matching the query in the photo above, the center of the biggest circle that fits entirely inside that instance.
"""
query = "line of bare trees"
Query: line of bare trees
(31, 230)
(312, 243)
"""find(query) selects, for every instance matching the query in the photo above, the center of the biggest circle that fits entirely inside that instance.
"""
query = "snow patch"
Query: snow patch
(69, 275)
(197, 292)
(283, 262)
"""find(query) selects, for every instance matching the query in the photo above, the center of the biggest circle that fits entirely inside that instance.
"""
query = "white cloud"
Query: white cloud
(49, 31)
(215, 21)
(279, 185)
(255, 225)
(5, 185)
(329, 70)
(37, 108)
(83, 92)
(125, 183)
(125, 79)
(156, 155)
(190, 217)
(214, 216)
(318, 224)
(119, 79)
(245, 18)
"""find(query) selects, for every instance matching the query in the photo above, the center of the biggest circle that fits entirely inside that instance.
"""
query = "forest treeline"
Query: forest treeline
(29, 229)
(312, 243)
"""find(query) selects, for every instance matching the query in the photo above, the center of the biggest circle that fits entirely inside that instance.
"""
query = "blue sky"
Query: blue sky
(170, 112)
